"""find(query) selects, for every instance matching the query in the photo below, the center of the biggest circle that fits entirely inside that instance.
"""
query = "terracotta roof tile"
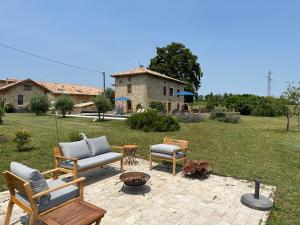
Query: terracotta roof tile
(59, 88)
(20, 82)
(142, 70)
(73, 89)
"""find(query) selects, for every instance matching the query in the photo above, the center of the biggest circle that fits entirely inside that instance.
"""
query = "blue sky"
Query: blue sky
(237, 42)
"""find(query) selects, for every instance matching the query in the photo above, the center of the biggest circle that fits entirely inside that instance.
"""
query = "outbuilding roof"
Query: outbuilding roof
(141, 70)
(72, 89)
(21, 82)
(56, 88)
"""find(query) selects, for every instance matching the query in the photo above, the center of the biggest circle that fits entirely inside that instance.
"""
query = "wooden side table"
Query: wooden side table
(130, 151)
(77, 212)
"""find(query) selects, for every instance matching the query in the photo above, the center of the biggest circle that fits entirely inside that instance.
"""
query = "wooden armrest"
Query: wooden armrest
(81, 179)
(51, 171)
(117, 147)
(66, 158)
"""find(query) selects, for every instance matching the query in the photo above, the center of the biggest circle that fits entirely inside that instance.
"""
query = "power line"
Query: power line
(50, 60)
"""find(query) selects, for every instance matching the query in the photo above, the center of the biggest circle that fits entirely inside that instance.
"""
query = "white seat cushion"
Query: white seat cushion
(164, 148)
(102, 159)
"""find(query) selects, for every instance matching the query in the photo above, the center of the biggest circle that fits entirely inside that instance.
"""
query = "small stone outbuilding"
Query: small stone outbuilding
(19, 92)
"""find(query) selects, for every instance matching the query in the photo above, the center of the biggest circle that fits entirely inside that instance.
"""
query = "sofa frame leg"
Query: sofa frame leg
(150, 162)
(122, 165)
(174, 167)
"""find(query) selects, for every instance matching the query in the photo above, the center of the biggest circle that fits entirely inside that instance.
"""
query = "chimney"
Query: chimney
(141, 66)
(6, 81)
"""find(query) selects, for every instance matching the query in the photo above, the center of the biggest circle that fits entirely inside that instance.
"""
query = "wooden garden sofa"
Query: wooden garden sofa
(23, 192)
(171, 150)
(85, 155)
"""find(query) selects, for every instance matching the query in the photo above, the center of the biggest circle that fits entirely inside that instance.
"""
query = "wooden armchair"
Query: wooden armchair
(171, 150)
(18, 187)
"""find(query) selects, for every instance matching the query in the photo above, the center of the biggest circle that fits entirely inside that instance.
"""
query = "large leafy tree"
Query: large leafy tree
(177, 61)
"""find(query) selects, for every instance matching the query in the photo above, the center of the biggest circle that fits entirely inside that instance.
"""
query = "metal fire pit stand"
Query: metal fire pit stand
(257, 201)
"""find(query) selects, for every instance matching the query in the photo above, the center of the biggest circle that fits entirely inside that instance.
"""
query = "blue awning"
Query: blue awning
(185, 93)
(122, 99)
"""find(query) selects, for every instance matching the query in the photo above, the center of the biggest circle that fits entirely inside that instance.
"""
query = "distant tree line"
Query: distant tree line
(248, 104)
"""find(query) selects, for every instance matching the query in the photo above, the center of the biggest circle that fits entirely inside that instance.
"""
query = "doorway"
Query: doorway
(169, 106)
(129, 106)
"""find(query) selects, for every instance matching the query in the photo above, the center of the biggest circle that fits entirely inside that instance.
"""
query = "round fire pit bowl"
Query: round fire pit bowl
(134, 178)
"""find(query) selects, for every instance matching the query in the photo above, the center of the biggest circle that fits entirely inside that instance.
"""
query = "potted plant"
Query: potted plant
(197, 169)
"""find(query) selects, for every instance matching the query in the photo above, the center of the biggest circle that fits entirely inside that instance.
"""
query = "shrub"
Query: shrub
(2, 111)
(152, 121)
(217, 112)
(65, 104)
(230, 118)
(39, 104)
(74, 136)
(102, 104)
(190, 117)
(221, 115)
(22, 138)
(10, 108)
(157, 106)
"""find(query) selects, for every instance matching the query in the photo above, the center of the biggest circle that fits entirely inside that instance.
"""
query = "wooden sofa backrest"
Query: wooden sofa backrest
(180, 143)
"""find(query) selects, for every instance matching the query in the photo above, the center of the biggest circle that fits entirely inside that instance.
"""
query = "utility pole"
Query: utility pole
(269, 83)
(103, 74)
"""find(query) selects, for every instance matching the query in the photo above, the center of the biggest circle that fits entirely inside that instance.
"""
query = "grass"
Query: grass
(257, 147)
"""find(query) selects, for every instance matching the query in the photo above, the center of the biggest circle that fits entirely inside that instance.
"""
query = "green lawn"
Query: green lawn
(257, 147)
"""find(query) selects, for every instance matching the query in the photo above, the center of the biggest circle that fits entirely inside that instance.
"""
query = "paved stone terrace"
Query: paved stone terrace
(166, 200)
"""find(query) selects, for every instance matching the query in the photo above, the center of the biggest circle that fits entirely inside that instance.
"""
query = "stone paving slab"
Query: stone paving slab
(165, 200)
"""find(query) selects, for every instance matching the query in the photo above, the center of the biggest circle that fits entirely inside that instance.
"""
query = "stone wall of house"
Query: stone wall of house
(11, 95)
(138, 91)
(155, 90)
(147, 88)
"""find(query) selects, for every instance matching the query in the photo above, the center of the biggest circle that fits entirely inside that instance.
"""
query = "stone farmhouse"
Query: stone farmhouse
(142, 86)
(18, 92)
